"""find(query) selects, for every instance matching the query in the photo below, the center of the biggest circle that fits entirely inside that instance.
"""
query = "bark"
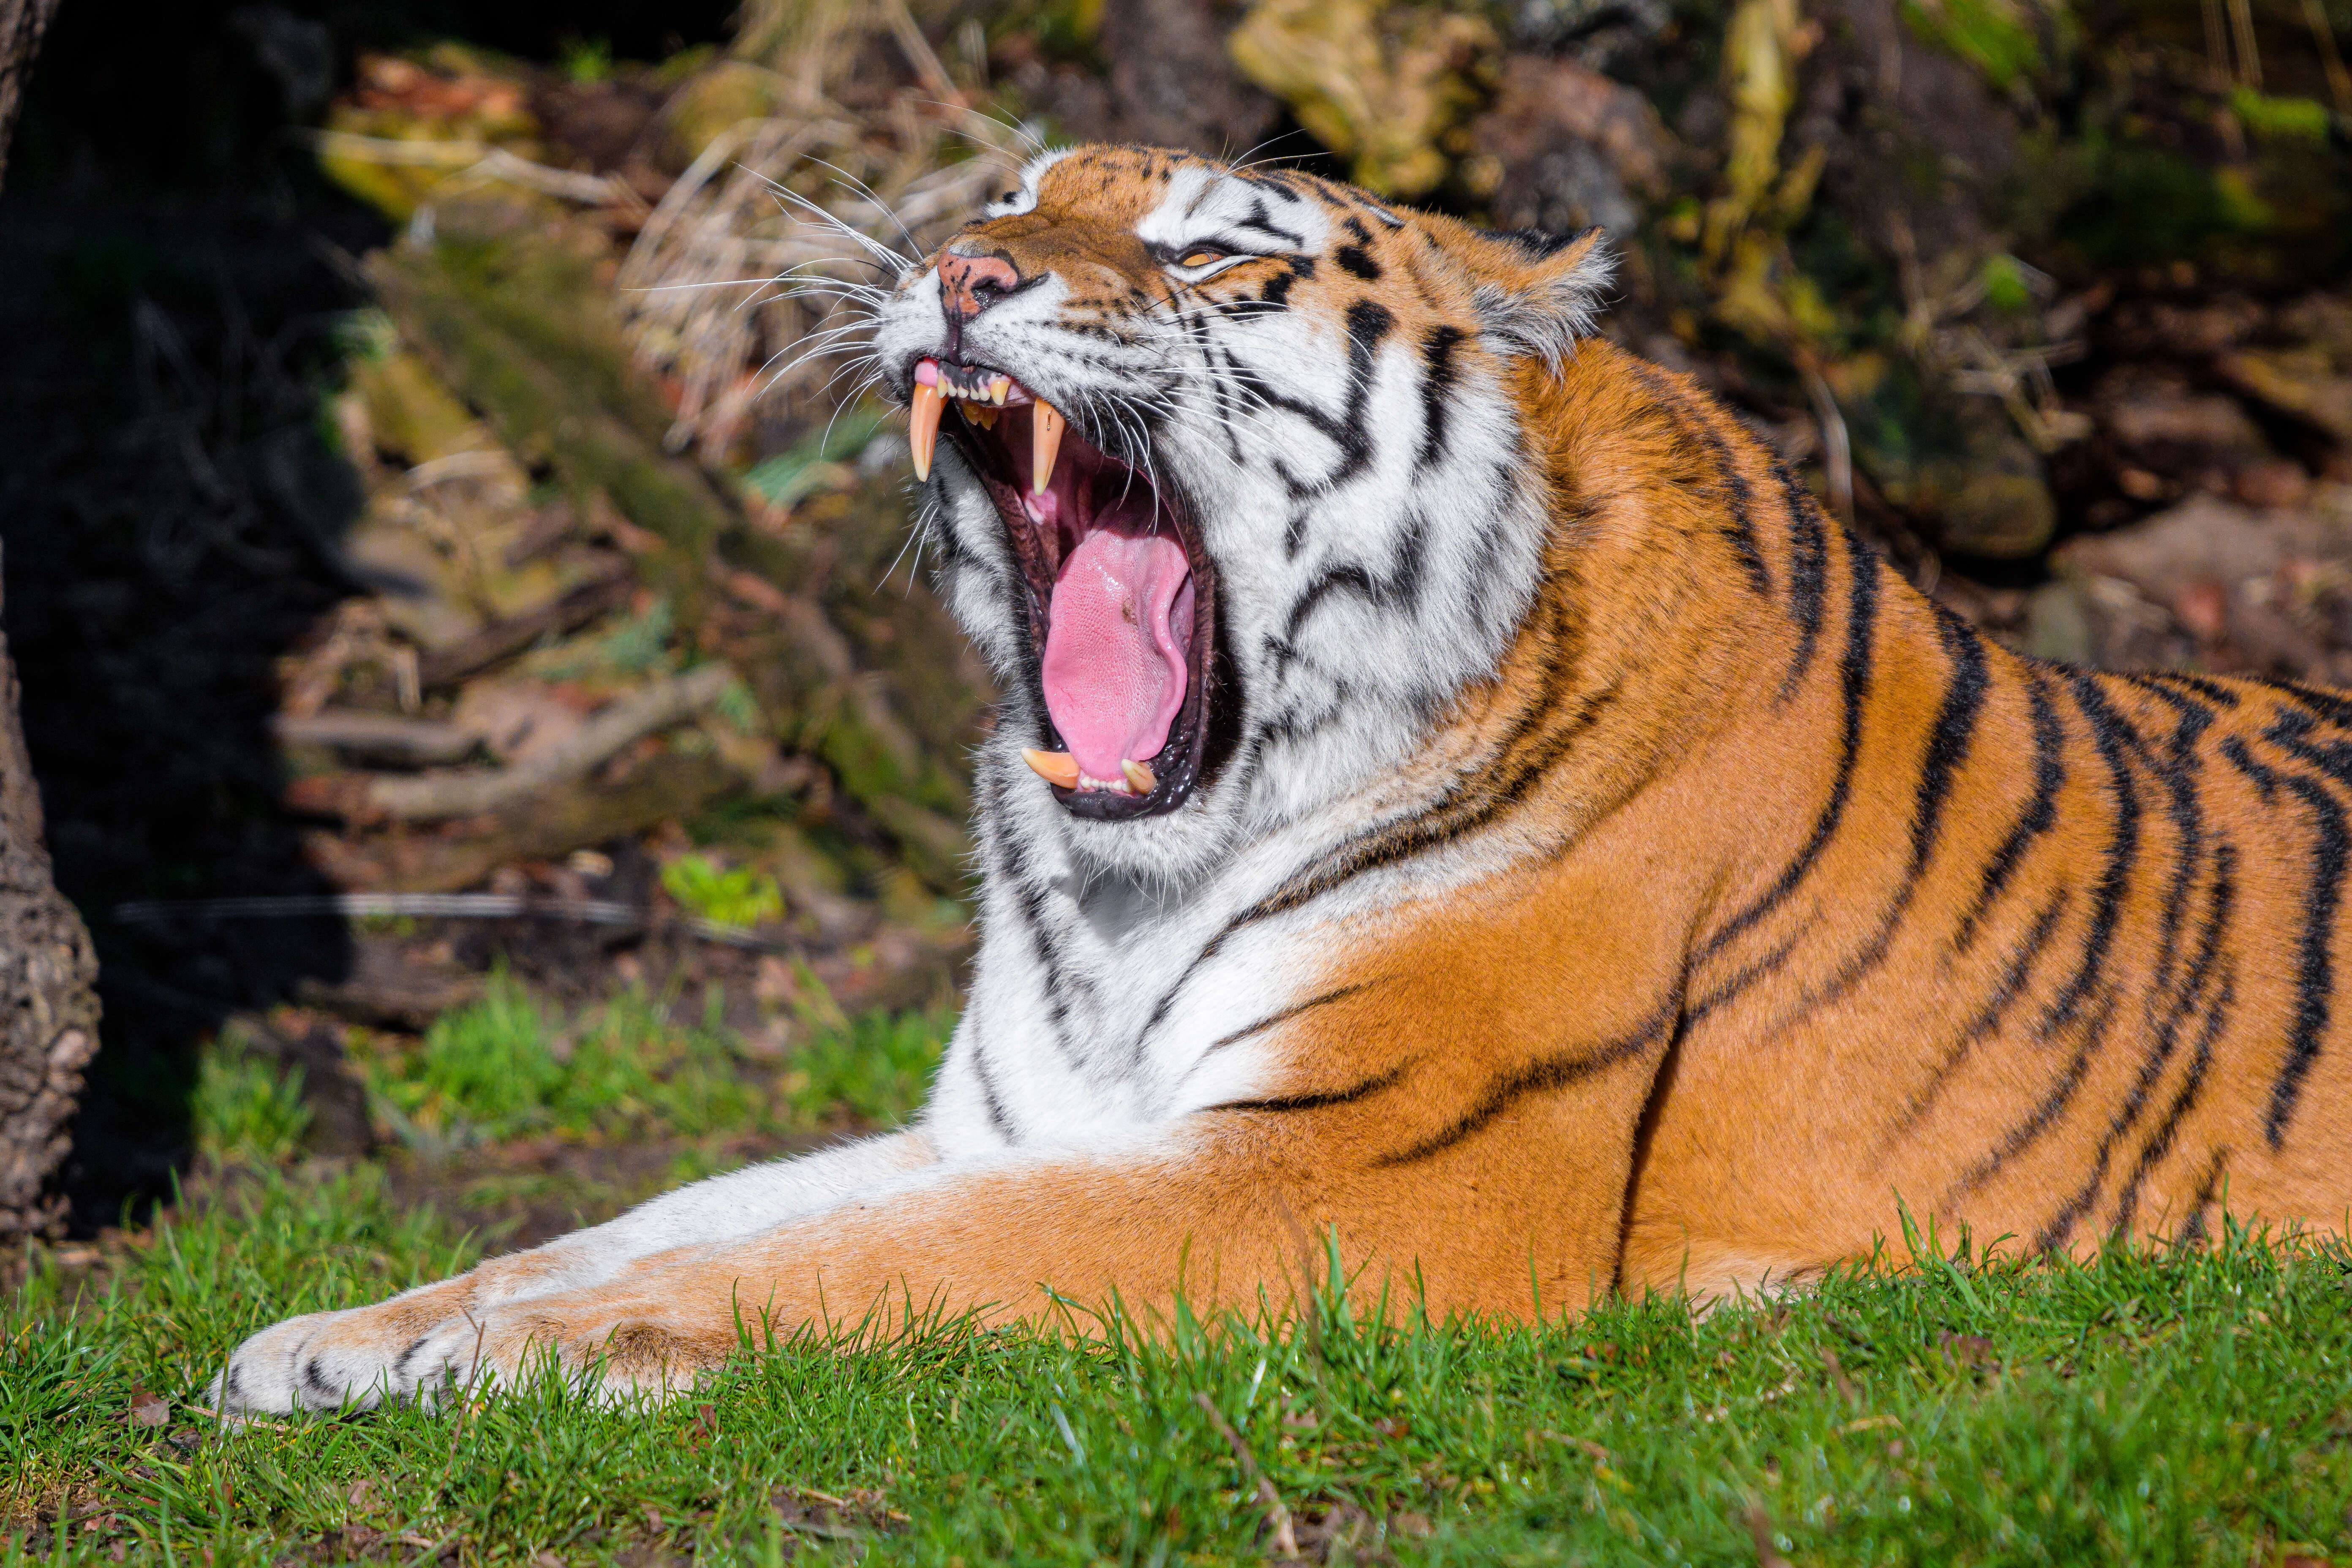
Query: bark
(48, 1010)
(22, 23)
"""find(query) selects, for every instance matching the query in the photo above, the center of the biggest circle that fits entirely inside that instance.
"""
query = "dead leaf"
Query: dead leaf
(149, 1409)
(1867, 1422)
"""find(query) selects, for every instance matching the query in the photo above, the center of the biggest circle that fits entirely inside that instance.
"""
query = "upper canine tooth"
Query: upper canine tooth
(923, 428)
(1053, 767)
(1045, 445)
(1139, 778)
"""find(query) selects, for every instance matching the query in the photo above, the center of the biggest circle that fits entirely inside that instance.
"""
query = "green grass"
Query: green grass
(2154, 1407)
(247, 1107)
(506, 1067)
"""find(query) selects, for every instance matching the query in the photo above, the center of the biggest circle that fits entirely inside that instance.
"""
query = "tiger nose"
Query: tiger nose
(971, 284)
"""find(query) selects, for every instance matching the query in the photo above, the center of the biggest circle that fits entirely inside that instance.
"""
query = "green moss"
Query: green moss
(2145, 205)
(1987, 34)
(554, 381)
(2283, 119)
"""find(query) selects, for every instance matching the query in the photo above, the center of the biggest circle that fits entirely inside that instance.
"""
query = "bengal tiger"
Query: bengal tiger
(1457, 797)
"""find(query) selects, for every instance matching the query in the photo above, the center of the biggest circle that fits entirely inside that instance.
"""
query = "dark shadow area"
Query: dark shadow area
(172, 499)
(172, 511)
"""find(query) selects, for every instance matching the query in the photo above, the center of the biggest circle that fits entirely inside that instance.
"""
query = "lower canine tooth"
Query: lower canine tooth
(1053, 767)
(1138, 777)
(1045, 445)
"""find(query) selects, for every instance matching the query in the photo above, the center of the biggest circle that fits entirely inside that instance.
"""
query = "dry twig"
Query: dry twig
(433, 797)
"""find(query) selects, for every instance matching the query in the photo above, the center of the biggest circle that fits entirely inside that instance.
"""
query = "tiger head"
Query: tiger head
(1228, 475)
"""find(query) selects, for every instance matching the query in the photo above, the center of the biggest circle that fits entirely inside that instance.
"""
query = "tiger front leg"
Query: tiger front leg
(1222, 1208)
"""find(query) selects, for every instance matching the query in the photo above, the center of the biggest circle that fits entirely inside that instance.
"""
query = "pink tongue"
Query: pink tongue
(1114, 669)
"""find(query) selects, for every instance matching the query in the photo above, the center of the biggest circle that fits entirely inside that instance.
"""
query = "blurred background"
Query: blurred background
(488, 709)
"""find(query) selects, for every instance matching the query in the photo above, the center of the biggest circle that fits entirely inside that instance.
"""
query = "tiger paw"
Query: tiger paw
(411, 1348)
(349, 1360)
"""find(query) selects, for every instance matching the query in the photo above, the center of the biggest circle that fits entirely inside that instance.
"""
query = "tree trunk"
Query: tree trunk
(22, 23)
(49, 1011)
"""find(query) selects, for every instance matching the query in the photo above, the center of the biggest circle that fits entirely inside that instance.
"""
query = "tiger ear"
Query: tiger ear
(1544, 293)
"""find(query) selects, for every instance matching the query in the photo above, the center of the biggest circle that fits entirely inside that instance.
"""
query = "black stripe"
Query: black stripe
(1467, 806)
(997, 1116)
(1987, 1018)
(1262, 220)
(2052, 1104)
(2331, 706)
(1029, 903)
(1368, 322)
(2159, 1056)
(1322, 1100)
(2194, 1231)
(1808, 567)
(1730, 990)
(1283, 1016)
(2314, 982)
(2177, 769)
(2213, 691)
(2159, 1143)
(1948, 748)
(1740, 498)
(1862, 603)
(2040, 815)
(1399, 590)
(1357, 262)
(1539, 1077)
(1437, 378)
(1948, 744)
(2113, 738)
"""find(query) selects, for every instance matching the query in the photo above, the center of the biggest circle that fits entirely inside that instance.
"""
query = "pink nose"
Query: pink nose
(971, 284)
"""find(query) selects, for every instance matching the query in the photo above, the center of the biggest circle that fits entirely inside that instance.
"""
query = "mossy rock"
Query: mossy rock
(411, 415)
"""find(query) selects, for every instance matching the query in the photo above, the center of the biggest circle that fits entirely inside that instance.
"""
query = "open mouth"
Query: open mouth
(1120, 595)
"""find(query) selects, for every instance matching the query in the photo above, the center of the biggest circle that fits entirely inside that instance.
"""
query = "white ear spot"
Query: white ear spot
(1553, 309)
(1022, 197)
(1011, 204)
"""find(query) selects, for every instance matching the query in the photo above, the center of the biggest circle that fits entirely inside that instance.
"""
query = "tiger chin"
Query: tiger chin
(1455, 793)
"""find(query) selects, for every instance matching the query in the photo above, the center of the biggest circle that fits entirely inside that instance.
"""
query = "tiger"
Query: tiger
(1464, 825)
